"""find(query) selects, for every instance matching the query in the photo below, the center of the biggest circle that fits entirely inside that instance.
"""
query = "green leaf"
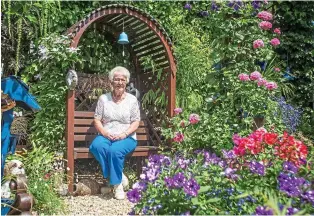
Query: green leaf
(204, 189)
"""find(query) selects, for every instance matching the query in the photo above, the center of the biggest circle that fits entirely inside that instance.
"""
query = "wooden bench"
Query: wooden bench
(85, 132)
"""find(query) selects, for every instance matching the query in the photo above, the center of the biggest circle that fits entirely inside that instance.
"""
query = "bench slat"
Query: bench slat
(139, 151)
(84, 114)
(90, 122)
(88, 130)
(92, 137)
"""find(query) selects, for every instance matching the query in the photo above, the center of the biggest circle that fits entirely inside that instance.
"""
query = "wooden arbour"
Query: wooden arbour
(147, 39)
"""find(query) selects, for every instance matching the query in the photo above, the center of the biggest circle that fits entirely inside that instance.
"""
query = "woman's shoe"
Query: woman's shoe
(118, 192)
(125, 182)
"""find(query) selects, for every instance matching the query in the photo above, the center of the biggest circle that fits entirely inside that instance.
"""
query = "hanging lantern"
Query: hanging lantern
(123, 38)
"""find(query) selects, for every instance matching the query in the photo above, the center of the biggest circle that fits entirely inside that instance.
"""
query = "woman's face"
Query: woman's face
(119, 82)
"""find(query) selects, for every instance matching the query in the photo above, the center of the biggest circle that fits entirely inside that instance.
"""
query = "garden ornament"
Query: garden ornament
(130, 89)
(71, 79)
(14, 167)
(123, 38)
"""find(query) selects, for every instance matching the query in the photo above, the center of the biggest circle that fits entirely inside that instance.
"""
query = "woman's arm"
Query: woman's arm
(101, 129)
(133, 127)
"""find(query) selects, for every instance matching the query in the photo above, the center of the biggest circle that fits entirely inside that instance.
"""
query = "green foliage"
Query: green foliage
(55, 59)
(296, 21)
(101, 53)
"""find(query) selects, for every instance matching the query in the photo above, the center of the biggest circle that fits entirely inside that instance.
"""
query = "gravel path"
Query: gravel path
(98, 205)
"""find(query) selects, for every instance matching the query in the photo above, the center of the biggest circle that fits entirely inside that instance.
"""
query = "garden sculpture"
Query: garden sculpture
(71, 79)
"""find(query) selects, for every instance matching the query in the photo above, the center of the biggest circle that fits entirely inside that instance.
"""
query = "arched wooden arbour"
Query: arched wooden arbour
(147, 38)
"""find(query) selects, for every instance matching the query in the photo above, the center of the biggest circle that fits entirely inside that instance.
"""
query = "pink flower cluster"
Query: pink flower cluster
(258, 44)
(271, 85)
(177, 111)
(265, 25)
(194, 118)
(178, 137)
(275, 42)
(265, 15)
(257, 76)
(276, 69)
(244, 77)
(277, 31)
(261, 82)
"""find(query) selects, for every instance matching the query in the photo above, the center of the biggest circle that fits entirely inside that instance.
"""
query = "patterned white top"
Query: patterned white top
(117, 118)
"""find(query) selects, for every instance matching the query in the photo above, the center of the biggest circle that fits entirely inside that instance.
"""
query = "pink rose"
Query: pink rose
(258, 43)
(177, 111)
(271, 85)
(261, 82)
(255, 75)
(194, 118)
(276, 69)
(275, 42)
(277, 31)
(264, 15)
(244, 77)
(265, 25)
(178, 137)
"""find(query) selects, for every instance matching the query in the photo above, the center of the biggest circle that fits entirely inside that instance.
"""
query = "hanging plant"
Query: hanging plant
(19, 30)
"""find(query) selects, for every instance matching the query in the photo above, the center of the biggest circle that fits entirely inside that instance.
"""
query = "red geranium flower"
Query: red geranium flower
(271, 138)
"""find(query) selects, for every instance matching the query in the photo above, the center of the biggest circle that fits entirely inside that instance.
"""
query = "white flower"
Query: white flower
(68, 168)
(72, 49)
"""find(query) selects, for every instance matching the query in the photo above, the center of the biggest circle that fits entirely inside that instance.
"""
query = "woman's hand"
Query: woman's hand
(109, 136)
(120, 136)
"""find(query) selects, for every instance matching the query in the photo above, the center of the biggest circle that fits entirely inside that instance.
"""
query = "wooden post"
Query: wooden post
(171, 91)
(70, 139)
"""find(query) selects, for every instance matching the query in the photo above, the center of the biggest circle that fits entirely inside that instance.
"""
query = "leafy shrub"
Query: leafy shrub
(43, 180)
(48, 71)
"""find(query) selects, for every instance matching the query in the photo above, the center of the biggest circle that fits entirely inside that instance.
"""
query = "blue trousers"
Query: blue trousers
(111, 154)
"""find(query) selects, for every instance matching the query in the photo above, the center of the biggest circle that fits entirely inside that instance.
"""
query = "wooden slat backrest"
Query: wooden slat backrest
(84, 129)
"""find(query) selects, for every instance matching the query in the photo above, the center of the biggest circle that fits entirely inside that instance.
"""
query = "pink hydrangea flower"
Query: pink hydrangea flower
(255, 75)
(265, 15)
(271, 85)
(194, 118)
(277, 31)
(258, 43)
(177, 111)
(265, 25)
(178, 137)
(244, 77)
(275, 42)
(276, 69)
(261, 82)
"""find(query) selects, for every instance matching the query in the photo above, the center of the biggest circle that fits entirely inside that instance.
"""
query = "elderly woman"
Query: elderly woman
(116, 119)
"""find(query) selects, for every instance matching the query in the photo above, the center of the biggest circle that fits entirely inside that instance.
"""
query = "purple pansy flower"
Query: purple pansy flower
(134, 195)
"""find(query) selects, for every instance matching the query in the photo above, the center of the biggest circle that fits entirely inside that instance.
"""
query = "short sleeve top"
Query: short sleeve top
(117, 118)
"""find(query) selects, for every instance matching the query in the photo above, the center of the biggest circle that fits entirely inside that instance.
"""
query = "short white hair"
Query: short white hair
(122, 70)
